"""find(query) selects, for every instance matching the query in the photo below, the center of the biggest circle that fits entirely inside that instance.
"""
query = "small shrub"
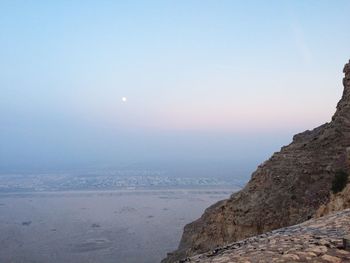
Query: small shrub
(339, 182)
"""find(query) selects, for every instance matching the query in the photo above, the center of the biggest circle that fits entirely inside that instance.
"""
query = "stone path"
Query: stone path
(316, 240)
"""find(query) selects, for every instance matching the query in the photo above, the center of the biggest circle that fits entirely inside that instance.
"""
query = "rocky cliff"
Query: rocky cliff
(287, 189)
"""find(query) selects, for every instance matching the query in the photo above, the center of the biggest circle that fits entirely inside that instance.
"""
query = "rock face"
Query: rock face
(337, 202)
(285, 190)
(316, 240)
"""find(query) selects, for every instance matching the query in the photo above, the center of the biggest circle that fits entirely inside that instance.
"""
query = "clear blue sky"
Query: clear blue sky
(204, 80)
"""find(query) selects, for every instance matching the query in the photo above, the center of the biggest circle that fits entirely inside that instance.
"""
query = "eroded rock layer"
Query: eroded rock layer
(285, 190)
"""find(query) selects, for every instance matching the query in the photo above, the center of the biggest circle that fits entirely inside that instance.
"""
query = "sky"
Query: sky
(207, 83)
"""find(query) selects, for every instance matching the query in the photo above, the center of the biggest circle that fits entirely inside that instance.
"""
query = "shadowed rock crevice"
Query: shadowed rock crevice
(285, 190)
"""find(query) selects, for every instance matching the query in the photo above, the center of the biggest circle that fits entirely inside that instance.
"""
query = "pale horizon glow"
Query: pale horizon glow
(195, 71)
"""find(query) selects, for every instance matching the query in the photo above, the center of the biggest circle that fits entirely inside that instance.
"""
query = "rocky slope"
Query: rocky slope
(287, 189)
(316, 240)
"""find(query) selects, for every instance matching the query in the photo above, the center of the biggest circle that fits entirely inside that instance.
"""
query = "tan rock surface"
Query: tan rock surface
(337, 202)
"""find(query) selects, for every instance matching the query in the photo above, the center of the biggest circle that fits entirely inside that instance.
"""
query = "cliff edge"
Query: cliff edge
(287, 189)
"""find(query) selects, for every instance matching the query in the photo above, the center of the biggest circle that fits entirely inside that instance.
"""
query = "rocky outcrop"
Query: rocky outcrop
(337, 202)
(285, 190)
(316, 240)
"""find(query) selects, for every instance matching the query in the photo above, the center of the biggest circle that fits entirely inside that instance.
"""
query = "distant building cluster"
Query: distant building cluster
(105, 181)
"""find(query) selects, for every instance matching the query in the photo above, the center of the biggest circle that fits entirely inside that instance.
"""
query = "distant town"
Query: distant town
(111, 180)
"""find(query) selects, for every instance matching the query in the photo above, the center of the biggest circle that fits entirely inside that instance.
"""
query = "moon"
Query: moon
(124, 99)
